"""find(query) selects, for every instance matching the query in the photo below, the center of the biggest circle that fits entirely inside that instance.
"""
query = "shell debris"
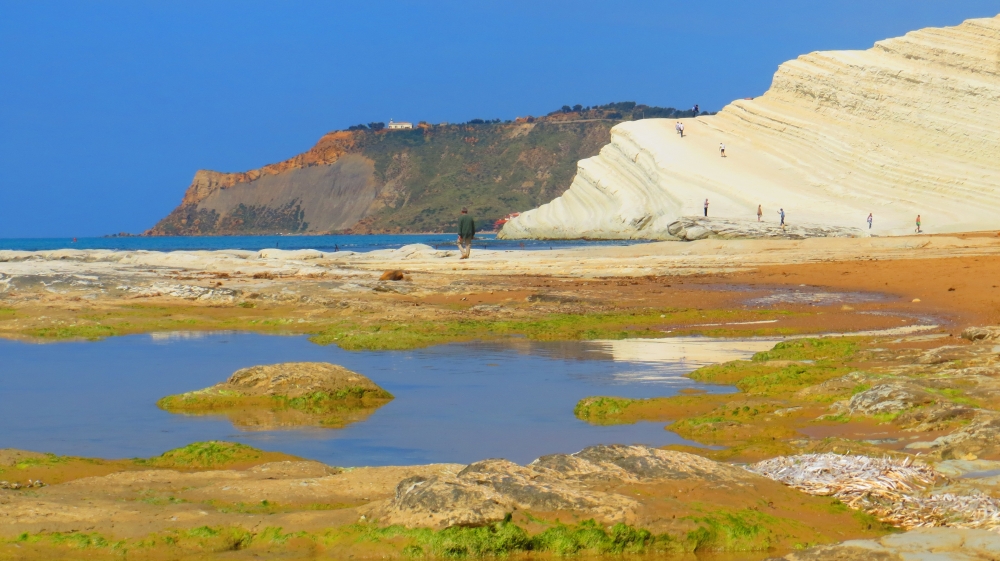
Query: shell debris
(896, 491)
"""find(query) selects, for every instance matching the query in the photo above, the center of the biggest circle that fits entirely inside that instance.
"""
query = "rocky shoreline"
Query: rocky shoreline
(923, 393)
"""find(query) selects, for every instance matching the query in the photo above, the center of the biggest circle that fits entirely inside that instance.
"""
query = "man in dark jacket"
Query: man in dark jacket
(466, 231)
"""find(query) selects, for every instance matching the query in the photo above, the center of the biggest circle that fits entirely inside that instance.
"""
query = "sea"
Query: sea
(360, 243)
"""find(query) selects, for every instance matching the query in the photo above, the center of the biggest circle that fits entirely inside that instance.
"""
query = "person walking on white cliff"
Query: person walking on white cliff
(722, 150)
(466, 231)
(781, 213)
(760, 212)
(869, 221)
(706, 207)
(918, 225)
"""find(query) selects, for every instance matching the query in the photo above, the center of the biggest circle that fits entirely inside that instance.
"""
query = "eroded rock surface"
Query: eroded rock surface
(889, 398)
(583, 483)
(986, 333)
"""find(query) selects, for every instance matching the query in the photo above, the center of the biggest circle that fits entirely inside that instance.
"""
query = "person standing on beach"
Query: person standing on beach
(781, 213)
(918, 224)
(869, 221)
(722, 150)
(466, 231)
(760, 212)
(706, 207)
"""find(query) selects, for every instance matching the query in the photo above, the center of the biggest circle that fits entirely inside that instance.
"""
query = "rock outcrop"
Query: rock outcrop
(583, 483)
(901, 129)
(290, 394)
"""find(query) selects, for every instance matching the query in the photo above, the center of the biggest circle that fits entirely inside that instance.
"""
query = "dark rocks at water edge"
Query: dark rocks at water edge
(691, 228)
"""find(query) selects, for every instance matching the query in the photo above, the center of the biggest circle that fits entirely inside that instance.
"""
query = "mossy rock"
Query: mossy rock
(291, 394)
(204, 455)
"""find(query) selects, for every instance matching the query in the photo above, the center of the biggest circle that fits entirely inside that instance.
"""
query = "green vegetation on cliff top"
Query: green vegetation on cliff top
(423, 175)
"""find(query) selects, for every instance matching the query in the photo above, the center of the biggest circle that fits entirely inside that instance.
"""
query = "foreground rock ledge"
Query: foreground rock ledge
(937, 544)
(289, 394)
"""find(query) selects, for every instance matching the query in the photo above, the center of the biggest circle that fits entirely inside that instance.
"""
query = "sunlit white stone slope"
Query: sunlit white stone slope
(910, 126)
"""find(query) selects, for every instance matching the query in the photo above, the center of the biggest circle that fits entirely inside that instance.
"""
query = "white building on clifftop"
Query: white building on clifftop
(399, 126)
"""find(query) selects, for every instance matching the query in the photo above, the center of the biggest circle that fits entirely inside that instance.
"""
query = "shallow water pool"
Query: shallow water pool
(454, 403)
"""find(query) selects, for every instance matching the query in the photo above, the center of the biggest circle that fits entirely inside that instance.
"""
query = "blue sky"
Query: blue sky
(108, 108)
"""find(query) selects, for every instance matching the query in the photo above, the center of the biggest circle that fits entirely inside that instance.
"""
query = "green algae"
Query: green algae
(211, 454)
(817, 349)
(767, 374)
(648, 323)
(334, 409)
(741, 531)
(316, 403)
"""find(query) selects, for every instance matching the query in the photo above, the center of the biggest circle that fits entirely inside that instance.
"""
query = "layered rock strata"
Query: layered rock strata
(691, 228)
(905, 128)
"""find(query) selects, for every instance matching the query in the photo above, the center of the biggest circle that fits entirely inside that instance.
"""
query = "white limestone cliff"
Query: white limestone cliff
(910, 126)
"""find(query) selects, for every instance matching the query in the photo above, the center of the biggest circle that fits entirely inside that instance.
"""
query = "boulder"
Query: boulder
(696, 233)
(299, 379)
(889, 398)
(486, 491)
(988, 333)
(285, 395)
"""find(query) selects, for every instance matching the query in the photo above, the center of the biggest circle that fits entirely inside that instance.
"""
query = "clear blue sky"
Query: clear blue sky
(108, 108)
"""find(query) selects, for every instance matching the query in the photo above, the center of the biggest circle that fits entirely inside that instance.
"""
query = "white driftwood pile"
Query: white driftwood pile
(894, 491)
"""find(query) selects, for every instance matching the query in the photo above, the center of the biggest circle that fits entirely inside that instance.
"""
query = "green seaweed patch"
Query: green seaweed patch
(334, 409)
(88, 332)
(505, 538)
(743, 530)
(790, 379)
(711, 530)
(552, 327)
(317, 402)
(827, 348)
(623, 410)
(211, 454)
(44, 461)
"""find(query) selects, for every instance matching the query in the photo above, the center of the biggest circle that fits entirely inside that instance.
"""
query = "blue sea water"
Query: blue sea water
(321, 243)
